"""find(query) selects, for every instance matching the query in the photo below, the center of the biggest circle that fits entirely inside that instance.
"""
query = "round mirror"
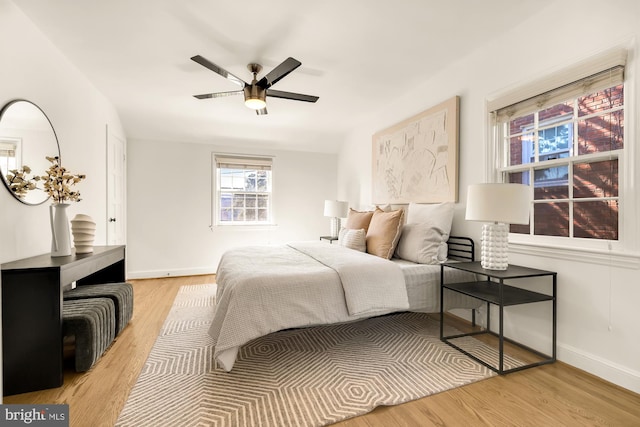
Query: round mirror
(26, 139)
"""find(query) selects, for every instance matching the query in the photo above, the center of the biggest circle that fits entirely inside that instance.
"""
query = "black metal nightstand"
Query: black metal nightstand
(330, 239)
(502, 295)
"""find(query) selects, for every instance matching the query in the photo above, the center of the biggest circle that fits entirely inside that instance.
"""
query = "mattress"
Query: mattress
(423, 287)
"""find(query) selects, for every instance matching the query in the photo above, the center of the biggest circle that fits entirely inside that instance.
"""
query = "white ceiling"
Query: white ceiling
(357, 56)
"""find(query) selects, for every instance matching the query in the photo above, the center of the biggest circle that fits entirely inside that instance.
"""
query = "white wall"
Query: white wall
(597, 329)
(169, 206)
(33, 69)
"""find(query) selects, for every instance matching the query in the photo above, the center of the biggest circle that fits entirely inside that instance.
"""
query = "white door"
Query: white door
(116, 167)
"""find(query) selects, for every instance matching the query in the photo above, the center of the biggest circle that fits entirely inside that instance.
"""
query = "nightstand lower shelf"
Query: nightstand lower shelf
(488, 291)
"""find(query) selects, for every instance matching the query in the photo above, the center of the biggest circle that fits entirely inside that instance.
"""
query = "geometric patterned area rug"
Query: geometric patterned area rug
(298, 377)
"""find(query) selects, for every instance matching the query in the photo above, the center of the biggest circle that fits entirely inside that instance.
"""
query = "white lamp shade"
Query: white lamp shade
(503, 203)
(336, 209)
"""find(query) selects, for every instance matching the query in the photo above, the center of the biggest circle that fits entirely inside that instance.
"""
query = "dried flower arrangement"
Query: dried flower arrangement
(58, 182)
(19, 182)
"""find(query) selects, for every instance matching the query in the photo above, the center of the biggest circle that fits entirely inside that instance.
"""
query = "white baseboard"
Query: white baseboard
(154, 274)
(605, 369)
(598, 366)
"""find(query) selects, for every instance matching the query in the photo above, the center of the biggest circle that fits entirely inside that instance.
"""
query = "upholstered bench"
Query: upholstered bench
(92, 322)
(120, 293)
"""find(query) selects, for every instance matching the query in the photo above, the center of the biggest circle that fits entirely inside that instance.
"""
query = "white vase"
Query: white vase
(83, 228)
(60, 235)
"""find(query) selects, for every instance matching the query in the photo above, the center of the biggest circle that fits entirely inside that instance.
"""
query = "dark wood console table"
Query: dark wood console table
(32, 312)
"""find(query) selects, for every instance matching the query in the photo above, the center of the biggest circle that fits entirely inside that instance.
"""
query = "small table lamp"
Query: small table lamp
(500, 204)
(336, 210)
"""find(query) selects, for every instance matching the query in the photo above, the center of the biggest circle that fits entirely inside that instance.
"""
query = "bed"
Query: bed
(263, 289)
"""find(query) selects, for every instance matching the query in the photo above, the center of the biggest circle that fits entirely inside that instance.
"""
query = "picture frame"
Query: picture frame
(416, 160)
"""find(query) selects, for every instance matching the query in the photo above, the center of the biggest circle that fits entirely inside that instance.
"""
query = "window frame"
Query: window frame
(625, 249)
(6, 143)
(535, 163)
(262, 162)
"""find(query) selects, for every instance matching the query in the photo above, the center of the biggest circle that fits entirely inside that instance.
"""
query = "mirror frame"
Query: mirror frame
(57, 146)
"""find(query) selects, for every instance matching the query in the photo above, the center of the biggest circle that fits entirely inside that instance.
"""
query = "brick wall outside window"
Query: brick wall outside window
(574, 195)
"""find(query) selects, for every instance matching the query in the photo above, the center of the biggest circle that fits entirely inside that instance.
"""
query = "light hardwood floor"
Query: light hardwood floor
(551, 395)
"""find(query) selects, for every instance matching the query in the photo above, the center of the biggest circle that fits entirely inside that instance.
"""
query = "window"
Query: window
(243, 190)
(567, 144)
(10, 153)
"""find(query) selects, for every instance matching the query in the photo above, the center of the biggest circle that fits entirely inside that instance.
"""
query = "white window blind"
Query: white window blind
(243, 162)
(602, 80)
(7, 149)
(589, 67)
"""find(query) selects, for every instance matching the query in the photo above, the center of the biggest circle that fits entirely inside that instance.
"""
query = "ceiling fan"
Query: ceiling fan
(255, 93)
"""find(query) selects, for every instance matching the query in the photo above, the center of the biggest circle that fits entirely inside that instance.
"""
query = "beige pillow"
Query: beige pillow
(357, 220)
(353, 239)
(384, 232)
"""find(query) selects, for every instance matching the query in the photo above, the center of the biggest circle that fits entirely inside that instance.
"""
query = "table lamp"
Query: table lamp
(336, 210)
(498, 205)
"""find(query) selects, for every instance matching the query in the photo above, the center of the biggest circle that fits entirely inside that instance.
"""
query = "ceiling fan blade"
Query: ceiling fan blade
(291, 95)
(218, 94)
(262, 111)
(285, 67)
(224, 73)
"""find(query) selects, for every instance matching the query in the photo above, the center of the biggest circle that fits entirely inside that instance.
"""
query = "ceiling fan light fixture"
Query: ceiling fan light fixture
(254, 97)
(255, 93)
(255, 103)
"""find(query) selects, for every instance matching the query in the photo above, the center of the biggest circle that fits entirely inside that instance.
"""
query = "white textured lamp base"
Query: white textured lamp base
(494, 253)
(335, 227)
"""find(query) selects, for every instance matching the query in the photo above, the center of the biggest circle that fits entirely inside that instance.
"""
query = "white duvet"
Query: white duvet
(263, 289)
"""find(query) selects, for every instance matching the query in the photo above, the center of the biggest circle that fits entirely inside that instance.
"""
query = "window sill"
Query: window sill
(591, 256)
(248, 227)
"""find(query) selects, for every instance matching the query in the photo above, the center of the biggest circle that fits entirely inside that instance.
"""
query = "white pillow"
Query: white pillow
(422, 243)
(424, 237)
(353, 239)
(439, 215)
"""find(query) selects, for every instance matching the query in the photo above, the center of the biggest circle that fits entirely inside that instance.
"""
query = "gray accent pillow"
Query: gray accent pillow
(422, 243)
(424, 237)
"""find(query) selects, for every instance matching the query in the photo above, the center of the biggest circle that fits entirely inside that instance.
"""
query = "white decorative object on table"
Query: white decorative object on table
(57, 183)
(83, 228)
(60, 237)
(499, 204)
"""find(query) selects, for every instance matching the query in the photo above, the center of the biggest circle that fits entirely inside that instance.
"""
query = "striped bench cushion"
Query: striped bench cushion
(120, 293)
(92, 322)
